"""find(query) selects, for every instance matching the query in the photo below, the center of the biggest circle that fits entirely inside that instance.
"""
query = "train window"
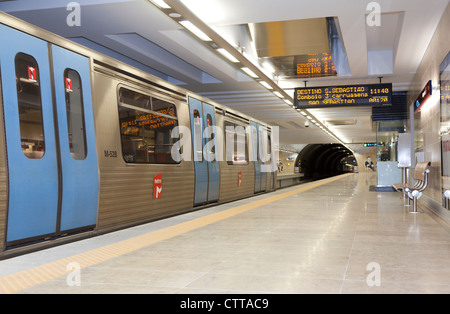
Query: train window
(135, 99)
(261, 145)
(210, 137)
(30, 106)
(269, 147)
(236, 144)
(198, 136)
(75, 114)
(162, 106)
(146, 133)
(264, 146)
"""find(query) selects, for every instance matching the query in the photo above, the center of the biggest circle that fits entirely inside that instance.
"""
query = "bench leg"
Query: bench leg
(405, 196)
(415, 205)
(409, 200)
(446, 196)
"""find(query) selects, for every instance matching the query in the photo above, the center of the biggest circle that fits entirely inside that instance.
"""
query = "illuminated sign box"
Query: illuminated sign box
(343, 96)
(424, 95)
(314, 65)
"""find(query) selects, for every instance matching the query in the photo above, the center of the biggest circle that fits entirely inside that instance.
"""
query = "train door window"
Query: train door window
(268, 149)
(260, 145)
(255, 144)
(146, 134)
(30, 106)
(75, 114)
(198, 136)
(210, 138)
(264, 146)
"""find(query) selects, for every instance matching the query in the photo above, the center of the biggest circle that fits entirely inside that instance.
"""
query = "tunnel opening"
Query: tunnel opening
(319, 161)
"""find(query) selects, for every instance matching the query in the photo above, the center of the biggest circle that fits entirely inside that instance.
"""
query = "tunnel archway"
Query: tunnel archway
(318, 161)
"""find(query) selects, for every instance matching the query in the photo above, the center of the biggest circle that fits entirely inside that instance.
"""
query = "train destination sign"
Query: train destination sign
(314, 65)
(343, 96)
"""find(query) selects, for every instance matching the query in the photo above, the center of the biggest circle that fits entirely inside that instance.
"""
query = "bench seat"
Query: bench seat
(414, 192)
(401, 186)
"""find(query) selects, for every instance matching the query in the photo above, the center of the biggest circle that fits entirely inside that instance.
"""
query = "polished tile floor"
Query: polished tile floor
(332, 236)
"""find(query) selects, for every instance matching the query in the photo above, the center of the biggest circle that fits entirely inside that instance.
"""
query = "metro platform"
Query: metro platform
(332, 236)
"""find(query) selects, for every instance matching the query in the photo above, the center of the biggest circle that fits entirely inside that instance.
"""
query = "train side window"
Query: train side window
(132, 98)
(30, 106)
(75, 114)
(146, 133)
(163, 107)
(236, 144)
(210, 137)
(198, 136)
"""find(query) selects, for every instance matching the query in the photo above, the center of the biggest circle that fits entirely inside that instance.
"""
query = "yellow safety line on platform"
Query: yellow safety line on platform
(25, 279)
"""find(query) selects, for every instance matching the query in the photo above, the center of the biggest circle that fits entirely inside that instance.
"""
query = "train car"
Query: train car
(89, 145)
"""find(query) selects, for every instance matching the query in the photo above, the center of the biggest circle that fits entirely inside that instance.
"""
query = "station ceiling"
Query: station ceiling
(144, 35)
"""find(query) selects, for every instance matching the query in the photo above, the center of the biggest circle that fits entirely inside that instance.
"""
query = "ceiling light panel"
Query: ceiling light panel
(195, 30)
(249, 72)
(227, 55)
(161, 4)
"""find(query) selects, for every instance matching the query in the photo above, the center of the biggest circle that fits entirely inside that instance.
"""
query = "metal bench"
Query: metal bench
(414, 192)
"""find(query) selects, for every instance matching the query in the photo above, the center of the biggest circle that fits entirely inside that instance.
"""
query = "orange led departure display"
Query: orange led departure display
(314, 65)
(343, 96)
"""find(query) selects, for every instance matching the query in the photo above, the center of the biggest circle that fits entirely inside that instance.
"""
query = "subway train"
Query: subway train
(89, 145)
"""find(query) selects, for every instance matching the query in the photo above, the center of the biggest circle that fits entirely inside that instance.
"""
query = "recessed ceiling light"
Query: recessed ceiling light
(227, 55)
(249, 72)
(265, 84)
(161, 4)
(278, 94)
(195, 30)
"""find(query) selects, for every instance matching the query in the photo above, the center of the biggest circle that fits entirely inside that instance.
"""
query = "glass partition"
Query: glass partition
(387, 168)
(445, 121)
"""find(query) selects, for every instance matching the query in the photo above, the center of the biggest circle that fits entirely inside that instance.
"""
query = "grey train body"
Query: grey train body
(130, 177)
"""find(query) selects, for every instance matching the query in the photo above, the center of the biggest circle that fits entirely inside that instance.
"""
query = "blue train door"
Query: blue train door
(211, 149)
(258, 149)
(262, 152)
(255, 148)
(271, 152)
(207, 177)
(76, 139)
(30, 136)
(39, 175)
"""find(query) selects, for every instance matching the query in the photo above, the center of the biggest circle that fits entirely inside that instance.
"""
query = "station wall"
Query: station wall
(426, 124)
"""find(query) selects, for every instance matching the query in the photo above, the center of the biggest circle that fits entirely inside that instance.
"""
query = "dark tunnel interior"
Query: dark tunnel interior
(318, 161)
